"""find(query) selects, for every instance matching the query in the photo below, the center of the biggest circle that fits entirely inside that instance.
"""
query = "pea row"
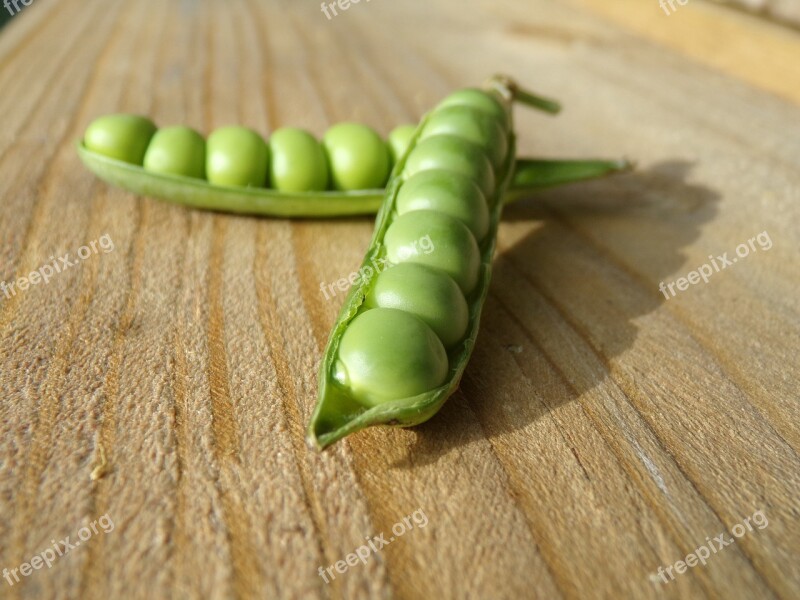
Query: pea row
(412, 333)
(351, 156)
(397, 347)
(116, 146)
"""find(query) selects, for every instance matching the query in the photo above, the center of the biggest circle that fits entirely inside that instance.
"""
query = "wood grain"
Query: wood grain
(601, 431)
(782, 11)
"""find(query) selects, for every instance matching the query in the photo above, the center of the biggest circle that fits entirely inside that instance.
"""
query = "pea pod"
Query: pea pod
(530, 176)
(396, 362)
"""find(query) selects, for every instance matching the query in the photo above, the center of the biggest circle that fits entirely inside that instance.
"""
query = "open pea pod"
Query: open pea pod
(343, 406)
(199, 193)
(530, 176)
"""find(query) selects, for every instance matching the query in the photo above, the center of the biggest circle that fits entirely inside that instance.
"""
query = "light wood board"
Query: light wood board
(601, 431)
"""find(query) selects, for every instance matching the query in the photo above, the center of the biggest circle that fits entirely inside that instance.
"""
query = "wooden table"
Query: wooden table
(604, 430)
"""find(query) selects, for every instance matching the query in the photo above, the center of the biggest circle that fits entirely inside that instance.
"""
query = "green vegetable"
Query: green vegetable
(447, 192)
(399, 138)
(479, 100)
(176, 151)
(298, 162)
(237, 156)
(453, 153)
(424, 292)
(455, 251)
(530, 176)
(122, 137)
(114, 148)
(388, 353)
(382, 376)
(472, 124)
(357, 156)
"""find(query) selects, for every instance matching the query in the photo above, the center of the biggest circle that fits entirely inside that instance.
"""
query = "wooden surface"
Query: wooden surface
(783, 11)
(601, 431)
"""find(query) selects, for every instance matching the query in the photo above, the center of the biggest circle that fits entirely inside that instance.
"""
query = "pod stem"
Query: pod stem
(512, 92)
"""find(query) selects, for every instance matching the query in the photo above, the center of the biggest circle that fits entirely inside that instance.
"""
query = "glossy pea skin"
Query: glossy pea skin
(121, 136)
(452, 153)
(387, 354)
(176, 151)
(446, 192)
(473, 125)
(358, 158)
(297, 161)
(426, 293)
(399, 139)
(236, 156)
(480, 100)
(436, 240)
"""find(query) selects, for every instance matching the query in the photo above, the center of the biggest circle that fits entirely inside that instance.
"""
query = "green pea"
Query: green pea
(123, 137)
(237, 156)
(357, 157)
(177, 151)
(447, 192)
(399, 139)
(298, 162)
(387, 354)
(427, 293)
(485, 101)
(436, 240)
(454, 154)
(473, 125)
